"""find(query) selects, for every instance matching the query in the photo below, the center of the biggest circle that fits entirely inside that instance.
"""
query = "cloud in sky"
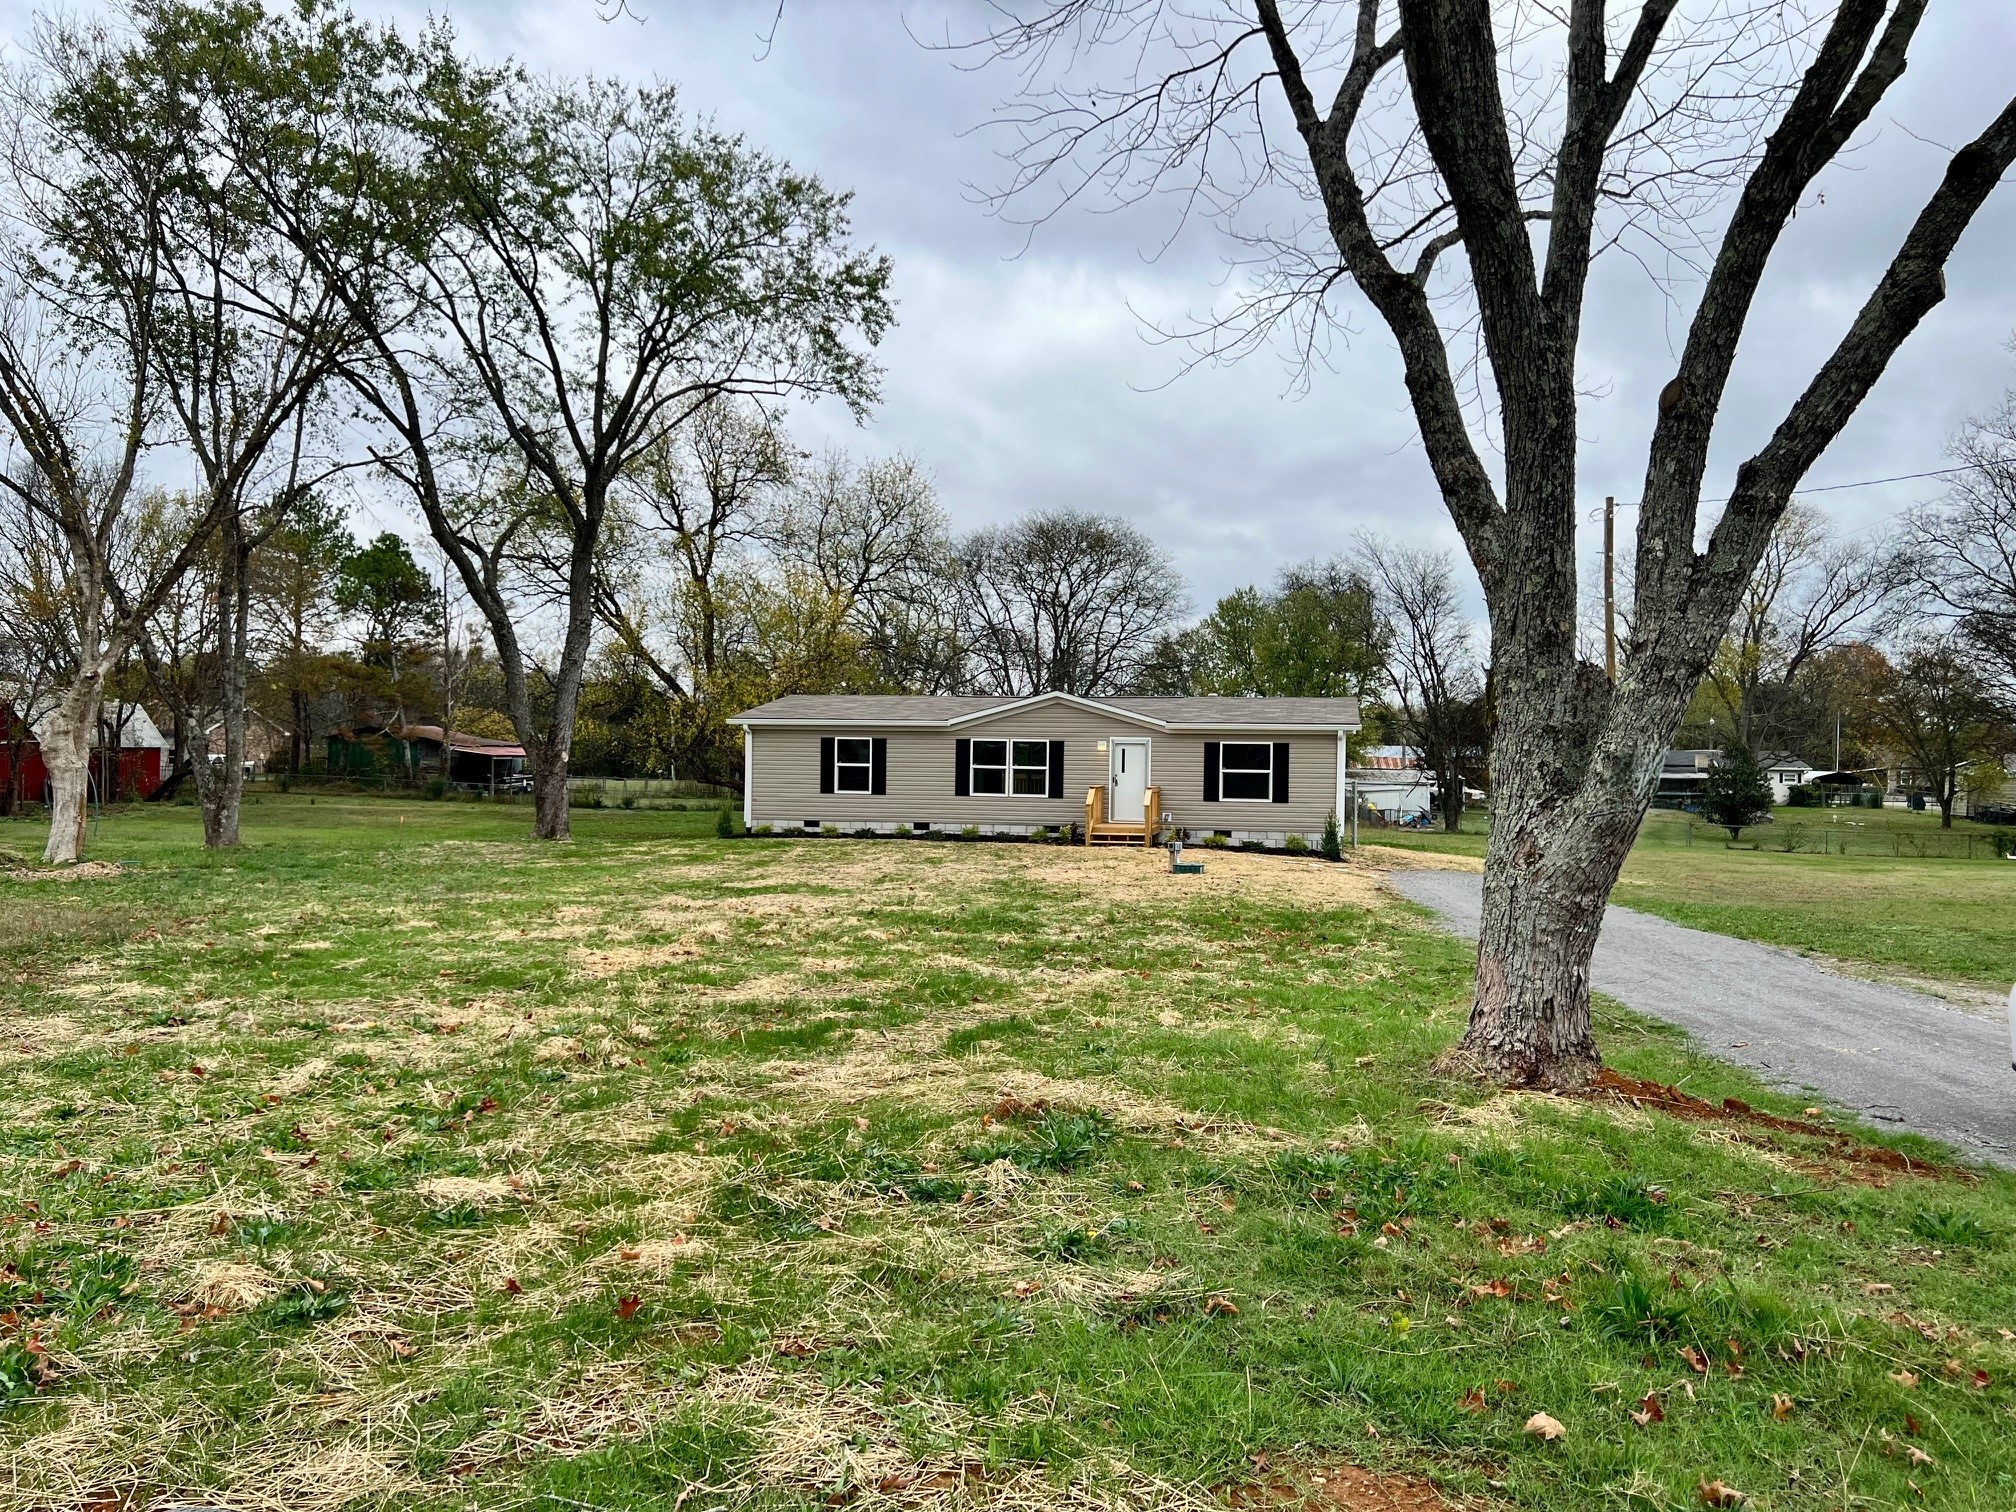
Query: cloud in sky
(1022, 372)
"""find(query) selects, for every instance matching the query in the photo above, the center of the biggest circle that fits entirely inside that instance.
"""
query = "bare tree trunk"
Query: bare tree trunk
(1452, 802)
(221, 804)
(1560, 833)
(66, 751)
(550, 817)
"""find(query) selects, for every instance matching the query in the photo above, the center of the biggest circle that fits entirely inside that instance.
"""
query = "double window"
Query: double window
(1021, 767)
(1008, 768)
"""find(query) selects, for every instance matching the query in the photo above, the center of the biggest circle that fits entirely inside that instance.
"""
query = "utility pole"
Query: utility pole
(1610, 588)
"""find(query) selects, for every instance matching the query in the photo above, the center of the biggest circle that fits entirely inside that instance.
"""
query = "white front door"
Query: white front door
(1127, 784)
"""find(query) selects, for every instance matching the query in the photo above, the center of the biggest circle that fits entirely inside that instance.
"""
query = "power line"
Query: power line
(1936, 472)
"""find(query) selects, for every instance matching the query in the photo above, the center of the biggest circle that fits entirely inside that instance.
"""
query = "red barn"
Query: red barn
(130, 769)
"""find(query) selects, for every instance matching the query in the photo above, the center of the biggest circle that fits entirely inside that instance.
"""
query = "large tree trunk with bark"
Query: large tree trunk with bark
(550, 816)
(66, 752)
(225, 795)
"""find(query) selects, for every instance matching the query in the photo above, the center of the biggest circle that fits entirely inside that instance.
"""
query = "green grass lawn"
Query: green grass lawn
(1936, 918)
(394, 1161)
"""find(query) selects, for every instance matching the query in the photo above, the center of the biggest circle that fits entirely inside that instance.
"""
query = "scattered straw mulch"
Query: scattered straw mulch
(81, 871)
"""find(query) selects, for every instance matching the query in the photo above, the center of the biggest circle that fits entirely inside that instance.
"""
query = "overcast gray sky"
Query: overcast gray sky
(1023, 377)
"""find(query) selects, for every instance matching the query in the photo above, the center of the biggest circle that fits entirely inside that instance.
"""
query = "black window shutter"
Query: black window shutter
(1210, 771)
(1280, 771)
(1056, 769)
(825, 763)
(878, 771)
(962, 768)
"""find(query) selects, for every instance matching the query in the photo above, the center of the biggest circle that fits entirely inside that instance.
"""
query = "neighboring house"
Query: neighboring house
(262, 738)
(1245, 768)
(467, 760)
(413, 751)
(127, 758)
(1390, 782)
(1786, 772)
(1992, 802)
(1683, 774)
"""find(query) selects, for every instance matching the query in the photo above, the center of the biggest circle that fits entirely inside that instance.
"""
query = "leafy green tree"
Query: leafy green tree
(294, 577)
(1316, 635)
(1737, 792)
(395, 602)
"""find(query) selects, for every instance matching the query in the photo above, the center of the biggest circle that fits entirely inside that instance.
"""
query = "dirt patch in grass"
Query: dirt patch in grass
(1862, 1160)
(1342, 1486)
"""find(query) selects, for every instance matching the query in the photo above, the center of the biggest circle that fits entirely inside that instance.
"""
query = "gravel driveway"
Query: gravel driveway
(1893, 1056)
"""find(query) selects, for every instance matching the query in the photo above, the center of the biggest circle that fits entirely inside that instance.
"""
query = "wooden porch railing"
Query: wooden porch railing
(1100, 828)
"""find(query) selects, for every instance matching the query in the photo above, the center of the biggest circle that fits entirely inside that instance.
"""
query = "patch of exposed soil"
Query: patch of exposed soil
(1341, 1486)
(1865, 1161)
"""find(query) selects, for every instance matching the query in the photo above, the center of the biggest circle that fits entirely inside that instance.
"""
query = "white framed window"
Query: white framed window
(1018, 767)
(1246, 772)
(853, 764)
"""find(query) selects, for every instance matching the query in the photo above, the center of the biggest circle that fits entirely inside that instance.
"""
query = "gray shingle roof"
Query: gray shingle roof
(912, 709)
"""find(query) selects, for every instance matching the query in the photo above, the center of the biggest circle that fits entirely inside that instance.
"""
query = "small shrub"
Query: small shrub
(1077, 1243)
(628, 801)
(970, 832)
(1295, 845)
(1949, 1230)
(1333, 838)
(1627, 1201)
(1252, 845)
(1215, 842)
(1636, 1311)
(830, 831)
(764, 829)
(283, 782)
(867, 832)
(1789, 837)
(1801, 796)
(23, 1371)
(724, 824)
(304, 1304)
(1056, 1141)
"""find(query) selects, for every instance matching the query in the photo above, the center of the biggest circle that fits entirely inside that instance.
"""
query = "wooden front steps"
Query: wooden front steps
(1100, 830)
(1117, 834)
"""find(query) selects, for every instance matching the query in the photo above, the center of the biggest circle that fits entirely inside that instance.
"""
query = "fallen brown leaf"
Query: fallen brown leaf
(1781, 1406)
(1542, 1426)
(1649, 1410)
(626, 1306)
(1715, 1493)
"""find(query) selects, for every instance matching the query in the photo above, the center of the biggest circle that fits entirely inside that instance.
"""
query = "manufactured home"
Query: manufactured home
(1257, 769)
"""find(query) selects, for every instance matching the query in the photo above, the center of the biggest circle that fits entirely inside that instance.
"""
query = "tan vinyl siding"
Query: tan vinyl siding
(784, 782)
